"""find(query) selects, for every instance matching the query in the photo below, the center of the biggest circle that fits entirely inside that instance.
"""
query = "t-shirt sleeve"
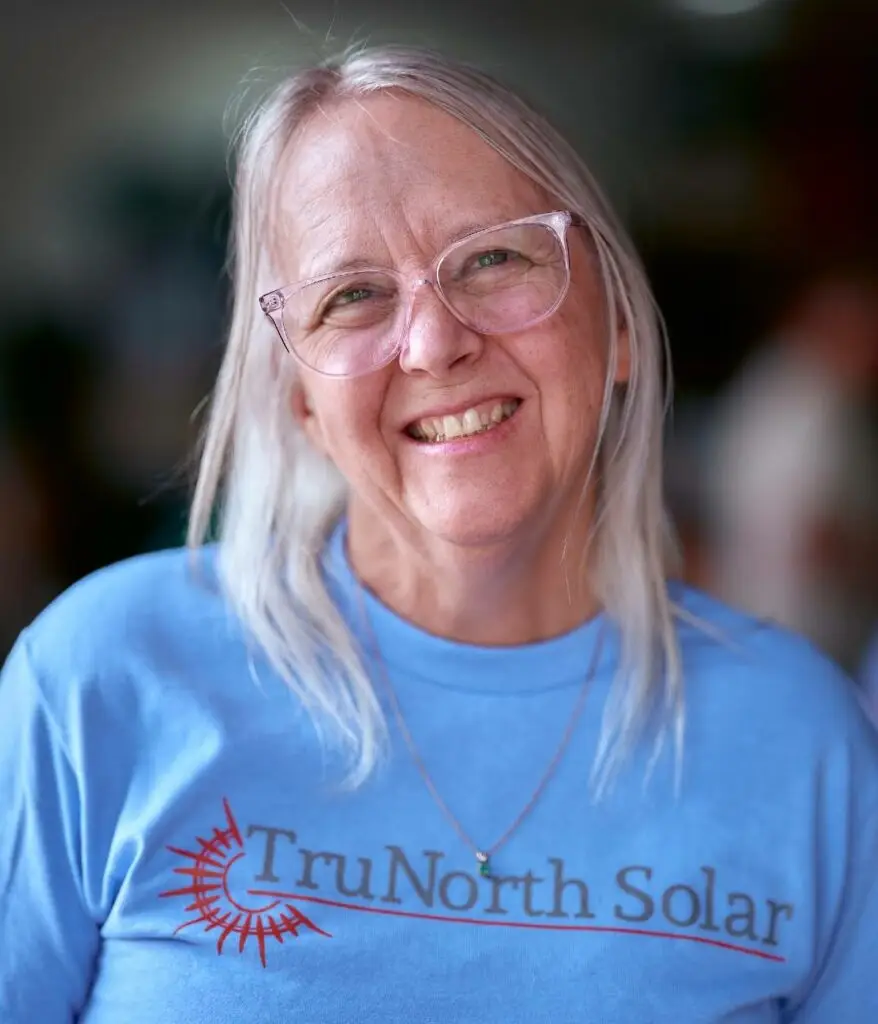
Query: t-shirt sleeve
(48, 938)
(844, 988)
(869, 680)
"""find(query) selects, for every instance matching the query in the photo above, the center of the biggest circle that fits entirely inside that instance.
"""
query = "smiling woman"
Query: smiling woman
(427, 687)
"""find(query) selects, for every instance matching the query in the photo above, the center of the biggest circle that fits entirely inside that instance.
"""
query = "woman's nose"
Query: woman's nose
(435, 340)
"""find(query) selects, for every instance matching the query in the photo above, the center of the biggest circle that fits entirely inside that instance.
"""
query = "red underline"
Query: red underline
(606, 929)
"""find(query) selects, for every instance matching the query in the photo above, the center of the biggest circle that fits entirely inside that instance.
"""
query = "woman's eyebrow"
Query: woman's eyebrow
(462, 231)
(319, 267)
(348, 265)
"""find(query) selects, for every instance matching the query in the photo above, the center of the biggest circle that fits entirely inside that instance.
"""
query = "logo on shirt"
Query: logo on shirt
(251, 889)
(210, 870)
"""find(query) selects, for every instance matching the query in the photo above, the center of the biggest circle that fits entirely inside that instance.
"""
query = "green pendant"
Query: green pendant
(484, 864)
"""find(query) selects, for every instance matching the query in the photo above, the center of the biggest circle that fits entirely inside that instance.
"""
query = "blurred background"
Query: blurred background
(738, 139)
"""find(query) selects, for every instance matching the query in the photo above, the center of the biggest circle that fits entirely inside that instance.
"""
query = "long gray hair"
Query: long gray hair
(275, 499)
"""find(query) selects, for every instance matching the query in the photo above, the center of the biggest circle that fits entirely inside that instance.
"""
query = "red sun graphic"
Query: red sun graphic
(212, 903)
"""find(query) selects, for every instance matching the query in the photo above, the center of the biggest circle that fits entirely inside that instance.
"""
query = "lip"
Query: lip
(456, 410)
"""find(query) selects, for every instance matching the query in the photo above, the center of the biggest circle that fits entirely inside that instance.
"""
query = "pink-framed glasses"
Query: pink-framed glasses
(496, 280)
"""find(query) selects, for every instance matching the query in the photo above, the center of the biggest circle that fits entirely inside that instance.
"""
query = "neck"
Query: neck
(504, 594)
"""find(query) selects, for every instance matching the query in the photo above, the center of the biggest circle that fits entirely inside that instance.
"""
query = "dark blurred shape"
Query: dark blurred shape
(158, 329)
(823, 130)
(97, 395)
(793, 468)
(43, 371)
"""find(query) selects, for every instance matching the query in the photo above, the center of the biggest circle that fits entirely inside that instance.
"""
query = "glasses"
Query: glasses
(495, 281)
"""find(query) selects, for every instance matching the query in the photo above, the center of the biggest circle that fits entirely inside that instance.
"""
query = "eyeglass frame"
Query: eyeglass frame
(558, 221)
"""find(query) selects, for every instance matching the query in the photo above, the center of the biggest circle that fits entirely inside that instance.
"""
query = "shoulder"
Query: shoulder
(715, 636)
(139, 592)
(754, 676)
(154, 605)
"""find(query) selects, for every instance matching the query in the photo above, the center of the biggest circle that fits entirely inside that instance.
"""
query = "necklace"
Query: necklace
(483, 854)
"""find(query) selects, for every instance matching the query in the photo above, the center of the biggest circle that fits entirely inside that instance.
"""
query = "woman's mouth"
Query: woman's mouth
(476, 420)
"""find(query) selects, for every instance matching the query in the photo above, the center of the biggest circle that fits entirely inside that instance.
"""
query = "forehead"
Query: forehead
(386, 177)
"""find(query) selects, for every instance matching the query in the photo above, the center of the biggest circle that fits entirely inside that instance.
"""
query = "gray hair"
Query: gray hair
(276, 499)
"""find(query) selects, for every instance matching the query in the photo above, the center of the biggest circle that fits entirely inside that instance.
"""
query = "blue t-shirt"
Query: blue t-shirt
(175, 847)
(869, 678)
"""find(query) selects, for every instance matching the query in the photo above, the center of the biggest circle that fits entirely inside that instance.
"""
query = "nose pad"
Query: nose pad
(414, 289)
(435, 338)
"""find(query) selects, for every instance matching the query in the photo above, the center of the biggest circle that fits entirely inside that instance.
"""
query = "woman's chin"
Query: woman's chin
(479, 526)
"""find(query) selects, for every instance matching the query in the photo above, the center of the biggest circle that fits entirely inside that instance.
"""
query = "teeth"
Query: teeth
(471, 421)
(445, 428)
(452, 426)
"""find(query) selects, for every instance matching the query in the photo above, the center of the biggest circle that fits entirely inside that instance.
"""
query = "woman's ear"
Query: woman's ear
(303, 412)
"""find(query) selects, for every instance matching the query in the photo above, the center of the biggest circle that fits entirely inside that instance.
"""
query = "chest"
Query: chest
(258, 878)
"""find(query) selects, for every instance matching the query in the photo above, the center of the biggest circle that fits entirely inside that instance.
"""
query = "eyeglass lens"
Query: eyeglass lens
(496, 283)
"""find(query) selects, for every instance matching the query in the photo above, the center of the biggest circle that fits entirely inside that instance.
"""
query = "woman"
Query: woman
(408, 744)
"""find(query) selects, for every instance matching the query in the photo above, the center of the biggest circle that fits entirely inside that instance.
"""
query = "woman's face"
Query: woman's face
(390, 181)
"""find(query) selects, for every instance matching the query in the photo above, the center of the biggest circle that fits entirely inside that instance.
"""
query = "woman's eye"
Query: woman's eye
(350, 296)
(494, 258)
(356, 305)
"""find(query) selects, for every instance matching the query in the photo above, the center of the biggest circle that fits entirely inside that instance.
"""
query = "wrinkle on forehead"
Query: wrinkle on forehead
(361, 174)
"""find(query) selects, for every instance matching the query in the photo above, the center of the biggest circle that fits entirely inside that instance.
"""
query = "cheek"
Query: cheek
(575, 409)
(347, 420)
(568, 365)
(582, 345)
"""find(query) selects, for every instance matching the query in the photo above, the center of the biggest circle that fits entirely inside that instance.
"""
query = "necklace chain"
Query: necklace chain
(483, 854)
